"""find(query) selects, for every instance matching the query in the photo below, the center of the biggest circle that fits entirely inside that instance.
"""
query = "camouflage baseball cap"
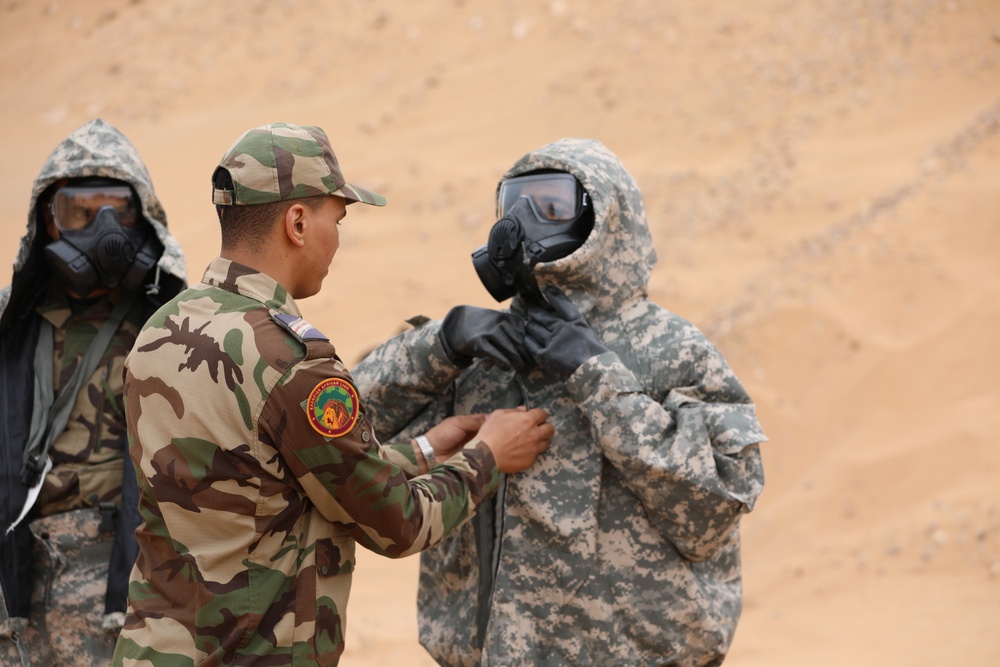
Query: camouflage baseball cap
(281, 161)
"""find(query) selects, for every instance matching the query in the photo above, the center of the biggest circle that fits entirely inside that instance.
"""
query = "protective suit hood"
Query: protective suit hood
(614, 264)
(95, 149)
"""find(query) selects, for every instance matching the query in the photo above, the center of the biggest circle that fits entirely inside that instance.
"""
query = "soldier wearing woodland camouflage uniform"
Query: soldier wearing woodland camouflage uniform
(621, 545)
(96, 260)
(258, 468)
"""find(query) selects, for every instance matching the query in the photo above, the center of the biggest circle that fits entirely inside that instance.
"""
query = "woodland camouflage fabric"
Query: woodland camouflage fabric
(281, 161)
(87, 456)
(250, 512)
(620, 546)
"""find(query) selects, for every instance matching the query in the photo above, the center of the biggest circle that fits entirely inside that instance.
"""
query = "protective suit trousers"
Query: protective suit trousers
(67, 606)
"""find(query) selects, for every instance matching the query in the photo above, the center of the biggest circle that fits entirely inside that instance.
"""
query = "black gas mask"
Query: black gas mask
(543, 216)
(103, 239)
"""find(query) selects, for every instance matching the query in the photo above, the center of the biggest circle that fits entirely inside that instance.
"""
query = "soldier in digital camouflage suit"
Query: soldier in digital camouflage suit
(621, 545)
(258, 468)
(96, 260)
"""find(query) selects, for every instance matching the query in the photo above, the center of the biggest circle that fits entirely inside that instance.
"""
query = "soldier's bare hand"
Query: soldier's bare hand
(452, 433)
(516, 437)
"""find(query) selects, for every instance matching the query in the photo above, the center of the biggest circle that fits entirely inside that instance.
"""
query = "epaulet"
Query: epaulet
(298, 327)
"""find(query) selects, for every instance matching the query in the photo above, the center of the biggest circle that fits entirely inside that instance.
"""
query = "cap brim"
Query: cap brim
(353, 193)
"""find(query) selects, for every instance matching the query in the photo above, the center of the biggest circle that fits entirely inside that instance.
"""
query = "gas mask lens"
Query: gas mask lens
(555, 197)
(76, 206)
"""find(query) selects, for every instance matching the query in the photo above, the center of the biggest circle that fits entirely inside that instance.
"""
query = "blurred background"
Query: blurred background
(822, 180)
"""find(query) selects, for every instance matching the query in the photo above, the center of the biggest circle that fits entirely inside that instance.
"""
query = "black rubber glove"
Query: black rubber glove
(559, 337)
(469, 332)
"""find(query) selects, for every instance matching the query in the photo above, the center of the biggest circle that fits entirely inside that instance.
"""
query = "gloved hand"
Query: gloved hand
(559, 338)
(469, 332)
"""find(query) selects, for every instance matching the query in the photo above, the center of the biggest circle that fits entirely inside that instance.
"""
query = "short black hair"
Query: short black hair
(250, 224)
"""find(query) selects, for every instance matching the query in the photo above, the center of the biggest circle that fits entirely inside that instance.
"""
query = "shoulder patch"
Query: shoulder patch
(333, 407)
(298, 327)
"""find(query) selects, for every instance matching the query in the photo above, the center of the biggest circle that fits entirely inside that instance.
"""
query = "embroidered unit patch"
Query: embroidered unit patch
(332, 407)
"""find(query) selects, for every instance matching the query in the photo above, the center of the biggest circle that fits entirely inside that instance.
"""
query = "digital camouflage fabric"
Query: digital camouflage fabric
(258, 471)
(71, 565)
(620, 546)
(63, 579)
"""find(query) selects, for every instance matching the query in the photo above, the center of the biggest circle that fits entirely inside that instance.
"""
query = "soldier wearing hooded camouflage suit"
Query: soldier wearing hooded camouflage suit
(68, 509)
(621, 546)
(258, 468)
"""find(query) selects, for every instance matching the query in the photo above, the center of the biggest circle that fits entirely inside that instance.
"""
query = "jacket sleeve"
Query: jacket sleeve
(404, 456)
(352, 479)
(692, 458)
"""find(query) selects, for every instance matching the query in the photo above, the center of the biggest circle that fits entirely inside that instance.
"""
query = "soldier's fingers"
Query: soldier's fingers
(539, 415)
(504, 411)
(469, 423)
(543, 319)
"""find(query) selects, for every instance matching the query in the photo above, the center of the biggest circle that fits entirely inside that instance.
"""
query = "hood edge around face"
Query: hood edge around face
(97, 148)
(615, 262)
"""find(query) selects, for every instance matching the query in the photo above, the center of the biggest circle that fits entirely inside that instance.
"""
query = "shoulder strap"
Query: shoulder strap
(50, 414)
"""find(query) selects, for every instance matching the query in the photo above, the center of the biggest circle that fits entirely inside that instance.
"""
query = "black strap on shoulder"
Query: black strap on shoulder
(50, 413)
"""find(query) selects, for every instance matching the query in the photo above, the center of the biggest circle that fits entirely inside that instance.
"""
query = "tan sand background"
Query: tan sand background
(822, 180)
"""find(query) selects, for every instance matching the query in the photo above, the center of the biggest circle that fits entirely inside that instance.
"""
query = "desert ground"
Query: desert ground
(822, 180)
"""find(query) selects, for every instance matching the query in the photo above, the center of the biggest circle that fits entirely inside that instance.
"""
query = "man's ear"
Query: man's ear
(296, 224)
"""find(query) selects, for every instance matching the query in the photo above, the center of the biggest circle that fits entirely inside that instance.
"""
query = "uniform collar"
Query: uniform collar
(58, 309)
(240, 279)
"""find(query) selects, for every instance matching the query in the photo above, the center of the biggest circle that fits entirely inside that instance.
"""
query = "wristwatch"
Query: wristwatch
(426, 450)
